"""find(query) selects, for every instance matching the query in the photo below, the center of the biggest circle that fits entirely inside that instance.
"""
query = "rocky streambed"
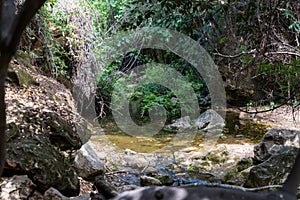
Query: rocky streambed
(46, 159)
(245, 164)
(126, 161)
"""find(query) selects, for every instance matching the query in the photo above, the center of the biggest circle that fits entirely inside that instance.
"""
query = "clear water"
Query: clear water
(235, 132)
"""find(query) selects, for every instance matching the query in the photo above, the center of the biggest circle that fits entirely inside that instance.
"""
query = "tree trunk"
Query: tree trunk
(4, 61)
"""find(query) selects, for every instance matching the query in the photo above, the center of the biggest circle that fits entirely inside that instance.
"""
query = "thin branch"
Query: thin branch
(235, 56)
(264, 111)
(146, 167)
(282, 52)
(275, 107)
(284, 43)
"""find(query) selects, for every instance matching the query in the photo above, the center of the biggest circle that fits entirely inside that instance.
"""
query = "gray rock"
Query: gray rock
(149, 181)
(36, 196)
(239, 173)
(276, 155)
(273, 171)
(165, 179)
(83, 131)
(87, 162)
(239, 136)
(83, 197)
(180, 124)
(130, 152)
(208, 120)
(17, 187)
(274, 140)
(124, 188)
(54, 194)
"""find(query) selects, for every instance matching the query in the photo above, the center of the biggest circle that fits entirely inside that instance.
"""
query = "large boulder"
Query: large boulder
(209, 120)
(21, 187)
(83, 130)
(60, 132)
(87, 162)
(275, 156)
(179, 124)
(20, 77)
(44, 165)
(274, 140)
(274, 170)
(44, 130)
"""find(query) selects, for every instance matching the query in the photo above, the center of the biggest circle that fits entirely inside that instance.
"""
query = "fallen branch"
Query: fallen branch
(282, 52)
(268, 187)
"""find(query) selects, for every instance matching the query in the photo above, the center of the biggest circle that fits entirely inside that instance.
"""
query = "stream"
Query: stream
(129, 158)
(235, 132)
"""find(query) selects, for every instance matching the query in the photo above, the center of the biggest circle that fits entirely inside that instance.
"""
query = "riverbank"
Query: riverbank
(283, 117)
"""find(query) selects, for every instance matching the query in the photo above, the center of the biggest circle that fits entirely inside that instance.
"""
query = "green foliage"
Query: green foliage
(107, 15)
(272, 105)
(53, 38)
(150, 93)
(285, 75)
(194, 18)
(247, 29)
(249, 105)
(56, 29)
(294, 23)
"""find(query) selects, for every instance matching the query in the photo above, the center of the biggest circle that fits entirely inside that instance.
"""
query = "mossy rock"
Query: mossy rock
(23, 58)
(165, 179)
(46, 167)
(20, 77)
(12, 132)
(215, 157)
(238, 174)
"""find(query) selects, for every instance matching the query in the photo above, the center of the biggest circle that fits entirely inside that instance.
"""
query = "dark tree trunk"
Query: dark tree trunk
(12, 24)
(4, 61)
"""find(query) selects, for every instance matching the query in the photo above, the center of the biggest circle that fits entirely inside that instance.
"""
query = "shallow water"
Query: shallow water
(235, 132)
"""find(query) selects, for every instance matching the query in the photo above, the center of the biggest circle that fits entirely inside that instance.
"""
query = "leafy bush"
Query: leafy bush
(114, 17)
(150, 93)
